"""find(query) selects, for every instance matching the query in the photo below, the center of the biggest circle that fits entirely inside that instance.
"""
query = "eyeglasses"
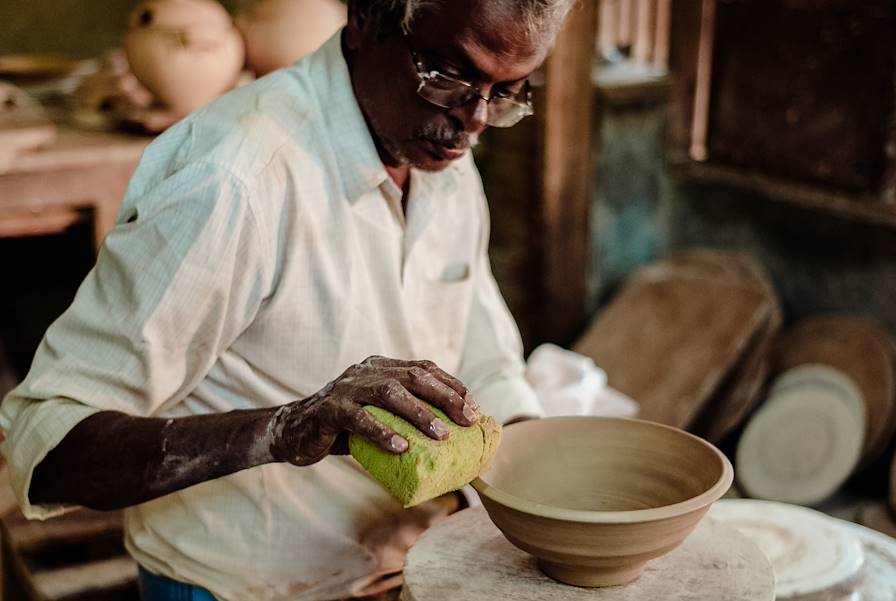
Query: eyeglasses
(504, 108)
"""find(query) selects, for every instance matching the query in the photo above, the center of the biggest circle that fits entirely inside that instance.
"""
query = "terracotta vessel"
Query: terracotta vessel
(280, 32)
(186, 52)
(596, 498)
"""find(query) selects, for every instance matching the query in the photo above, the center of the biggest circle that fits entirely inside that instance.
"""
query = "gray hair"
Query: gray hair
(542, 17)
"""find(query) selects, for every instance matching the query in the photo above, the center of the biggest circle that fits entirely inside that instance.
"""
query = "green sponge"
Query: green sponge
(429, 468)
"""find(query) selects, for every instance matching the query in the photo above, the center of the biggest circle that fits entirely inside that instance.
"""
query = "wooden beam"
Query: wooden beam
(868, 210)
(642, 49)
(661, 41)
(566, 175)
(608, 19)
(700, 127)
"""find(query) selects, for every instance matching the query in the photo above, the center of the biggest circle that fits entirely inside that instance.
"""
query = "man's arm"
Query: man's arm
(492, 364)
(112, 460)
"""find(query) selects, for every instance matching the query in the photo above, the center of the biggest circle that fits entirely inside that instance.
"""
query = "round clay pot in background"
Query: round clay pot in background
(280, 32)
(186, 52)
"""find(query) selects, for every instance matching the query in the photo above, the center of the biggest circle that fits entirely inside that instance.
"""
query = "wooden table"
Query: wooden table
(82, 176)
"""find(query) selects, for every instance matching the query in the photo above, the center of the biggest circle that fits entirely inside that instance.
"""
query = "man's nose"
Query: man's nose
(473, 115)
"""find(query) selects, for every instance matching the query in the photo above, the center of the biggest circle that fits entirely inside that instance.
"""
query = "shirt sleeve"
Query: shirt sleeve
(177, 280)
(492, 364)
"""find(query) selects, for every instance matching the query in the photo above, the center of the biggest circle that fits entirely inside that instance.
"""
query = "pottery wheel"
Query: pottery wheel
(809, 551)
(466, 557)
(876, 581)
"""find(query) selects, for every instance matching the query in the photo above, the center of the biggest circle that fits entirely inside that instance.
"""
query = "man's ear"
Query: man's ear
(355, 24)
(364, 21)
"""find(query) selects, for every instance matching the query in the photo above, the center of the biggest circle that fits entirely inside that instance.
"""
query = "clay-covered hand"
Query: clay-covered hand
(305, 431)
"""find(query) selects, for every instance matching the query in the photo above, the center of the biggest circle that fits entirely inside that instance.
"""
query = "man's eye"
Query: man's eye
(451, 72)
(511, 92)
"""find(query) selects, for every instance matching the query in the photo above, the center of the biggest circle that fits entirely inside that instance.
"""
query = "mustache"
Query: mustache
(448, 136)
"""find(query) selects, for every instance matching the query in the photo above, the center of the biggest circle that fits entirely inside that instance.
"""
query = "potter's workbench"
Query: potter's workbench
(77, 557)
(81, 176)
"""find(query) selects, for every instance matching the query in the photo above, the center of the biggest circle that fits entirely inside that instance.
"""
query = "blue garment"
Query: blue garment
(160, 588)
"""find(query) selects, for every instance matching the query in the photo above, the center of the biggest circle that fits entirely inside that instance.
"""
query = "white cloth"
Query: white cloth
(568, 383)
(261, 249)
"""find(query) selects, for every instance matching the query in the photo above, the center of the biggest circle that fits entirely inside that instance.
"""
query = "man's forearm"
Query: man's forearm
(112, 460)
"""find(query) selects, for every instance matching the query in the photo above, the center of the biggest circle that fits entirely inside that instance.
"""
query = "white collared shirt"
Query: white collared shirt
(261, 249)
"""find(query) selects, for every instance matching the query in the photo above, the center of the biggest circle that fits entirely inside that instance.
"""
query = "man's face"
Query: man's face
(478, 41)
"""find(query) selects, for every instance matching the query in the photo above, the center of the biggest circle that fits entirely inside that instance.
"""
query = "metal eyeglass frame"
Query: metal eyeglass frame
(426, 75)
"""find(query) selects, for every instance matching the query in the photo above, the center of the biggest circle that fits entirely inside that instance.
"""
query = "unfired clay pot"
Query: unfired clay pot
(280, 32)
(596, 498)
(186, 52)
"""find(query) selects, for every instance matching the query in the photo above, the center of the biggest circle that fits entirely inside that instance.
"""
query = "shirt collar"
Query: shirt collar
(359, 163)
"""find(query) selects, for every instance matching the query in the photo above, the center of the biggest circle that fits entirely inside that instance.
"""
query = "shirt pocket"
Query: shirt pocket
(444, 312)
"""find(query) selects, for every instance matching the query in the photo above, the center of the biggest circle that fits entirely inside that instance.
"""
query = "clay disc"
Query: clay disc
(808, 550)
(466, 557)
(805, 441)
(876, 581)
(861, 350)
(740, 392)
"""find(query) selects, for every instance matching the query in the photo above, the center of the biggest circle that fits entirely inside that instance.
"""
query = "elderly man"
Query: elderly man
(328, 213)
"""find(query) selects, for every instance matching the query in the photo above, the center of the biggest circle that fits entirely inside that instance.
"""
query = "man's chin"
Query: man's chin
(432, 164)
(434, 157)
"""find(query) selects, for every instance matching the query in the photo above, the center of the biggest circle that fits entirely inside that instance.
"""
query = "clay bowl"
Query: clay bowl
(595, 498)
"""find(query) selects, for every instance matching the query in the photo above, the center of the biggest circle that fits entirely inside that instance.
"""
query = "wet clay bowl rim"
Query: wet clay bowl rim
(633, 516)
(668, 476)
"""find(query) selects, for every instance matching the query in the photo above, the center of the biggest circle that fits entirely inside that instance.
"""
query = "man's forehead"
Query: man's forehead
(490, 32)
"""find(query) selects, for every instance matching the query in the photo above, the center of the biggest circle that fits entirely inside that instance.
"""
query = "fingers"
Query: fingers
(432, 390)
(401, 387)
(360, 422)
(433, 385)
(443, 376)
(435, 370)
(399, 401)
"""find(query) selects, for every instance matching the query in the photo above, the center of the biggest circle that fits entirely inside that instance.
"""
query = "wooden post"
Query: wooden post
(608, 26)
(566, 175)
(700, 128)
(661, 41)
(626, 23)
